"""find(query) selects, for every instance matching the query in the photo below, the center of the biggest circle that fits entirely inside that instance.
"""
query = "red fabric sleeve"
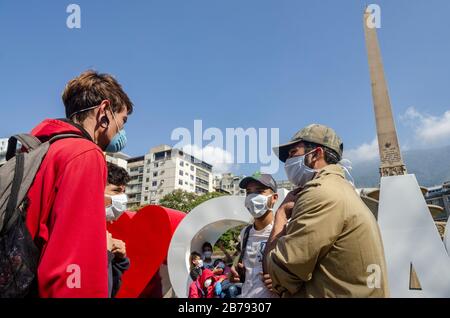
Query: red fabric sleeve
(193, 291)
(74, 262)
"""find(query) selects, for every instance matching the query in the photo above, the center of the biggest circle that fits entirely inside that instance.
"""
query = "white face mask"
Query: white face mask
(257, 204)
(208, 282)
(199, 263)
(207, 254)
(117, 207)
(297, 172)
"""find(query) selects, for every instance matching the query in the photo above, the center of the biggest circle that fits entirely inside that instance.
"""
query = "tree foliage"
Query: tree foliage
(186, 201)
(179, 200)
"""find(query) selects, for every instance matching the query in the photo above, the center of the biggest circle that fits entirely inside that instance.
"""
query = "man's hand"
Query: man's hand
(267, 281)
(282, 216)
(119, 248)
(288, 203)
(234, 274)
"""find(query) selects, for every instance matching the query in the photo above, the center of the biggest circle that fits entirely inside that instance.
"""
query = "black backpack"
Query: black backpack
(19, 255)
(239, 259)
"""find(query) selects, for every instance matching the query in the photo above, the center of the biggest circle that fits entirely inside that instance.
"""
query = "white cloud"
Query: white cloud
(365, 152)
(221, 160)
(428, 129)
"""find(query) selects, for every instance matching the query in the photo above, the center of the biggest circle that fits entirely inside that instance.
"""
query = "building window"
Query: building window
(180, 182)
(140, 179)
(180, 172)
(154, 183)
(156, 165)
(200, 190)
(148, 170)
(192, 177)
(148, 161)
(192, 168)
(141, 169)
(146, 199)
(147, 179)
(146, 188)
(155, 174)
(134, 169)
(182, 163)
(202, 174)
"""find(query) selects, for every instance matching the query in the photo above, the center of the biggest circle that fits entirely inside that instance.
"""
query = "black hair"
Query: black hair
(206, 244)
(191, 259)
(117, 176)
(330, 156)
(193, 256)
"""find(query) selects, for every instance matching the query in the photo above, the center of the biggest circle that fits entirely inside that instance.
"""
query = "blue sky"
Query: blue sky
(255, 63)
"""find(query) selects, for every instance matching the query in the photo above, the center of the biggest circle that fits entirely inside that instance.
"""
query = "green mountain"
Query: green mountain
(431, 167)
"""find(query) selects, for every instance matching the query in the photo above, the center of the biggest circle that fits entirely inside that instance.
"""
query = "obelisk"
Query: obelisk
(391, 163)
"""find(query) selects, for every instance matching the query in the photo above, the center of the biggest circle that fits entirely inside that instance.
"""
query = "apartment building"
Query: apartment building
(163, 170)
(228, 183)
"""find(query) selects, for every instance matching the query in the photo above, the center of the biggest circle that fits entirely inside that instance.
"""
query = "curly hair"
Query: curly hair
(117, 175)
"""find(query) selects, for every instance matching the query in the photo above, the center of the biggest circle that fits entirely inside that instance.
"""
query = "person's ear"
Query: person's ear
(321, 153)
(316, 156)
(274, 199)
(102, 114)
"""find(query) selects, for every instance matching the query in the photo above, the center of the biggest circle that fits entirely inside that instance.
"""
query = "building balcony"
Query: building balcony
(135, 182)
(133, 191)
(201, 185)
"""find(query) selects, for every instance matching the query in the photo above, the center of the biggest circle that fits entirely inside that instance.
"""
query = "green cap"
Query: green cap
(315, 133)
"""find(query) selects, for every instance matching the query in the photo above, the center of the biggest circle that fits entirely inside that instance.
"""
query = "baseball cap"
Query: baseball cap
(263, 178)
(315, 133)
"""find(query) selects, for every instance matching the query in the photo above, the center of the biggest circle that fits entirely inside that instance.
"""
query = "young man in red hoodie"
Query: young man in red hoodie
(66, 213)
(204, 286)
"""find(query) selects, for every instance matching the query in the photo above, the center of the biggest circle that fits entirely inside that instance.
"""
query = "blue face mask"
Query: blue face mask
(297, 172)
(119, 141)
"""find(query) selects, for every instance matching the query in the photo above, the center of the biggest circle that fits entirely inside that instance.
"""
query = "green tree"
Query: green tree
(186, 201)
(179, 200)
(229, 240)
(205, 197)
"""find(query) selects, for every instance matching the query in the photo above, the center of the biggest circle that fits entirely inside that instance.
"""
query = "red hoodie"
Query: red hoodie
(197, 288)
(66, 215)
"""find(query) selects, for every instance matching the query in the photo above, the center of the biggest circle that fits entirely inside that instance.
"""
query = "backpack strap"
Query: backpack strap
(197, 283)
(64, 136)
(10, 216)
(30, 142)
(244, 242)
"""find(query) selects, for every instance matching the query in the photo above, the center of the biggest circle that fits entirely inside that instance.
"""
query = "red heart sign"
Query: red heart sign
(147, 235)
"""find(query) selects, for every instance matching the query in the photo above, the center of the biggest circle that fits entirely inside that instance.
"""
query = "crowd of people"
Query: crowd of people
(320, 242)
